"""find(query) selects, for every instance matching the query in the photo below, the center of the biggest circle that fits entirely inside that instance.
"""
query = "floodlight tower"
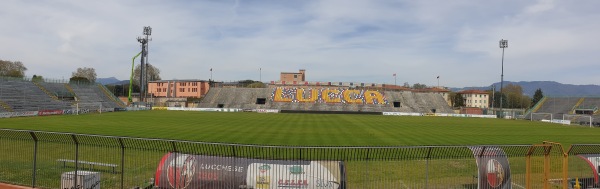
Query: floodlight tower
(143, 61)
(503, 45)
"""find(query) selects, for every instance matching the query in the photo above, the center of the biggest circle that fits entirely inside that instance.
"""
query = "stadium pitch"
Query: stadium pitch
(309, 129)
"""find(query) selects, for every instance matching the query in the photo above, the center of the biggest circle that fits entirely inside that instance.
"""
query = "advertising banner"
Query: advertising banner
(25, 114)
(184, 171)
(5, 114)
(50, 112)
(593, 161)
(492, 167)
(267, 110)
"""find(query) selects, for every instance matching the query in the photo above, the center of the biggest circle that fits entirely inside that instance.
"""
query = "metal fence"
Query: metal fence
(63, 160)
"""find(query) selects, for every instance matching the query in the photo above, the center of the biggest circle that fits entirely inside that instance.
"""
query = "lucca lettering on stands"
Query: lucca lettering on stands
(344, 96)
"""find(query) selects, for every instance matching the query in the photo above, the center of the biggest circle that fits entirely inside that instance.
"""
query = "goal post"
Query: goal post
(531, 115)
(88, 107)
(578, 115)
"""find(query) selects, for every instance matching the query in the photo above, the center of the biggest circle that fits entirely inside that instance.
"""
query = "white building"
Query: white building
(475, 98)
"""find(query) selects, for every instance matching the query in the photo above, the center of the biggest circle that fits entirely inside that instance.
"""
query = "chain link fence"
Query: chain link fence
(65, 160)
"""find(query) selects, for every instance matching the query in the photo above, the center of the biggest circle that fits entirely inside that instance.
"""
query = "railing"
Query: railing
(38, 159)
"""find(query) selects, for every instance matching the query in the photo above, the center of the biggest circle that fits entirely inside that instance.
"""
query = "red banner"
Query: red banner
(49, 112)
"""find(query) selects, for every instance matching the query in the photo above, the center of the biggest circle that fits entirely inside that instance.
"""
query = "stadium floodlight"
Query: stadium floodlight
(503, 45)
(144, 62)
(147, 30)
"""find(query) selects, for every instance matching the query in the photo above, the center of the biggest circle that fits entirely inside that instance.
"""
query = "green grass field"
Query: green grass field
(310, 129)
(289, 129)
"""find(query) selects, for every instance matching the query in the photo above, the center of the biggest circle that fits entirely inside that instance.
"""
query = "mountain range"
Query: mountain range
(549, 88)
(111, 81)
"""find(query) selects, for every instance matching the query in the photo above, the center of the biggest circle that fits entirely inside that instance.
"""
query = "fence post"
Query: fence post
(76, 160)
(122, 162)
(427, 167)
(547, 150)
(175, 161)
(367, 166)
(565, 170)
(528, 167)
(35, 147)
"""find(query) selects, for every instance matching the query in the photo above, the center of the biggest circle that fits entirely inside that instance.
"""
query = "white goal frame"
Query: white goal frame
(531, 115)
(573, 115)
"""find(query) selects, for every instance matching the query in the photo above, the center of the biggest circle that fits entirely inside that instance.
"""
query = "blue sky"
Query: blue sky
(334, 40)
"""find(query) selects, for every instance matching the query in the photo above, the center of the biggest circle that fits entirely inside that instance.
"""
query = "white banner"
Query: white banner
(24, 114)
(205, 109)
(437, 114)
(267, 110)
(5, 114)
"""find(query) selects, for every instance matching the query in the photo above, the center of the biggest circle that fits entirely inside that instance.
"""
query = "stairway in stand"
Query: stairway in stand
(54, 97)
(6, 106)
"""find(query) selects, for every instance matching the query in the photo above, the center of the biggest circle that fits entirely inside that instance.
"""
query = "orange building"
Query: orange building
(178, 88)
(292, 78)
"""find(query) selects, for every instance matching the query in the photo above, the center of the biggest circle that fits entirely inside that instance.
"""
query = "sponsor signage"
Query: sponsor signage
(50, 112)
(593, 161)
(327, 95)
(492, 167)
(24, 114)
(205, 109)
(5, 114)
(177, 170)
(267, 110)
(85, 179)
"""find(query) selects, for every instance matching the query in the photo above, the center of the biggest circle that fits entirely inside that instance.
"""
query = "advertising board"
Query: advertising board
(177, 170)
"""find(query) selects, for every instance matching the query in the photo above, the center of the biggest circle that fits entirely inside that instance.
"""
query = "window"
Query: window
(295, 76)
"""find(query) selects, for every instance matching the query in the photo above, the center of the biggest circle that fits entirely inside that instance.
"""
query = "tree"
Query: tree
(12, 69)
(85, 72)
(515, 97)
(537, 96)
(496, 100)
(153, 73)
(257, 85)
(419, 86)
(458, 101)
(79, 80)
(37, 78)
(452, 97)
(406, 85)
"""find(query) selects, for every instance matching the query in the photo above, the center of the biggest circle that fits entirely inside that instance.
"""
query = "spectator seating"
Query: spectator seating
(246, 98)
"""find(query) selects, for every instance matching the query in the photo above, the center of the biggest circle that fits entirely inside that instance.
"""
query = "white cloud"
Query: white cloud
(359, 41)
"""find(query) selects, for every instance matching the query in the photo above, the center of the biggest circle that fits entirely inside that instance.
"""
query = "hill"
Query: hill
(106, 81)
(550, 88)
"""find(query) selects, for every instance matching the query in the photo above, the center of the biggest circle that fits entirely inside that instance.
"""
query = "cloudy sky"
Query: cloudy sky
(334, 40)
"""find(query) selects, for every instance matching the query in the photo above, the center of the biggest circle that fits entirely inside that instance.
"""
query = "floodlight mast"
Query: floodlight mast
(503, 45)
(144, 61)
